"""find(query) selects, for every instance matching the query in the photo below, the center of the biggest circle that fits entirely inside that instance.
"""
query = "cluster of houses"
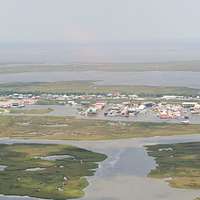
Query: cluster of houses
(17, 101)
(168, 111)
(95, 108)
(181, 111)
(126, 109)
(88, 97)
(112, 105)
(193, 106)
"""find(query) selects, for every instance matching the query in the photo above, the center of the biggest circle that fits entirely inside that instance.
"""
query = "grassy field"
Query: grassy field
(70, 128)
(50, 102)
(89, 87)
(31, 111)
(53, 179)
(179, 164)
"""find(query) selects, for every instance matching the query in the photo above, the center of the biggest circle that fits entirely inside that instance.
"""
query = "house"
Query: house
(91, 111)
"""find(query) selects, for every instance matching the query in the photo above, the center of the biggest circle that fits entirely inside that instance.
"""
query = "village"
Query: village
(128, 107)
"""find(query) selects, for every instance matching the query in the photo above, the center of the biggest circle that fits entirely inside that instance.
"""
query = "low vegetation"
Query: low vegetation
(31, 111)
(89, 87)
(179, 164)
(53, 127)
(28, 173)
(50, 102)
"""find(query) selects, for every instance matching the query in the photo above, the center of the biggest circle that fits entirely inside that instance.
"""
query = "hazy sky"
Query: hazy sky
(99, 30)
(91, 21)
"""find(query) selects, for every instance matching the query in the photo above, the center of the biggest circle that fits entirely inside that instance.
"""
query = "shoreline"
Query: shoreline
(120, 182)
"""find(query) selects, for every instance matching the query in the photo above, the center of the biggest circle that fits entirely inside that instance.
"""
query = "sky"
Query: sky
(102, 22)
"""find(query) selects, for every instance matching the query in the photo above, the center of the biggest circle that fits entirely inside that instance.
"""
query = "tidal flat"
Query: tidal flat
(71, 128)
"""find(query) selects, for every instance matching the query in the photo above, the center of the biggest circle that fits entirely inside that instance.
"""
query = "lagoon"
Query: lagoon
(152, 78)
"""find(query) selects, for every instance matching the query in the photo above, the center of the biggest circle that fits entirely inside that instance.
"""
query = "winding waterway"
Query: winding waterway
(123, 176)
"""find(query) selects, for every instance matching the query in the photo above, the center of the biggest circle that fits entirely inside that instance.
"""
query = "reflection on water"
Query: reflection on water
(156, 78)
(124, 172)
(127, 161)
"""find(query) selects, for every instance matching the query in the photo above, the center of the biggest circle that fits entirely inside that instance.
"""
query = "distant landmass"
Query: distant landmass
(118, 67)
(113, 52)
